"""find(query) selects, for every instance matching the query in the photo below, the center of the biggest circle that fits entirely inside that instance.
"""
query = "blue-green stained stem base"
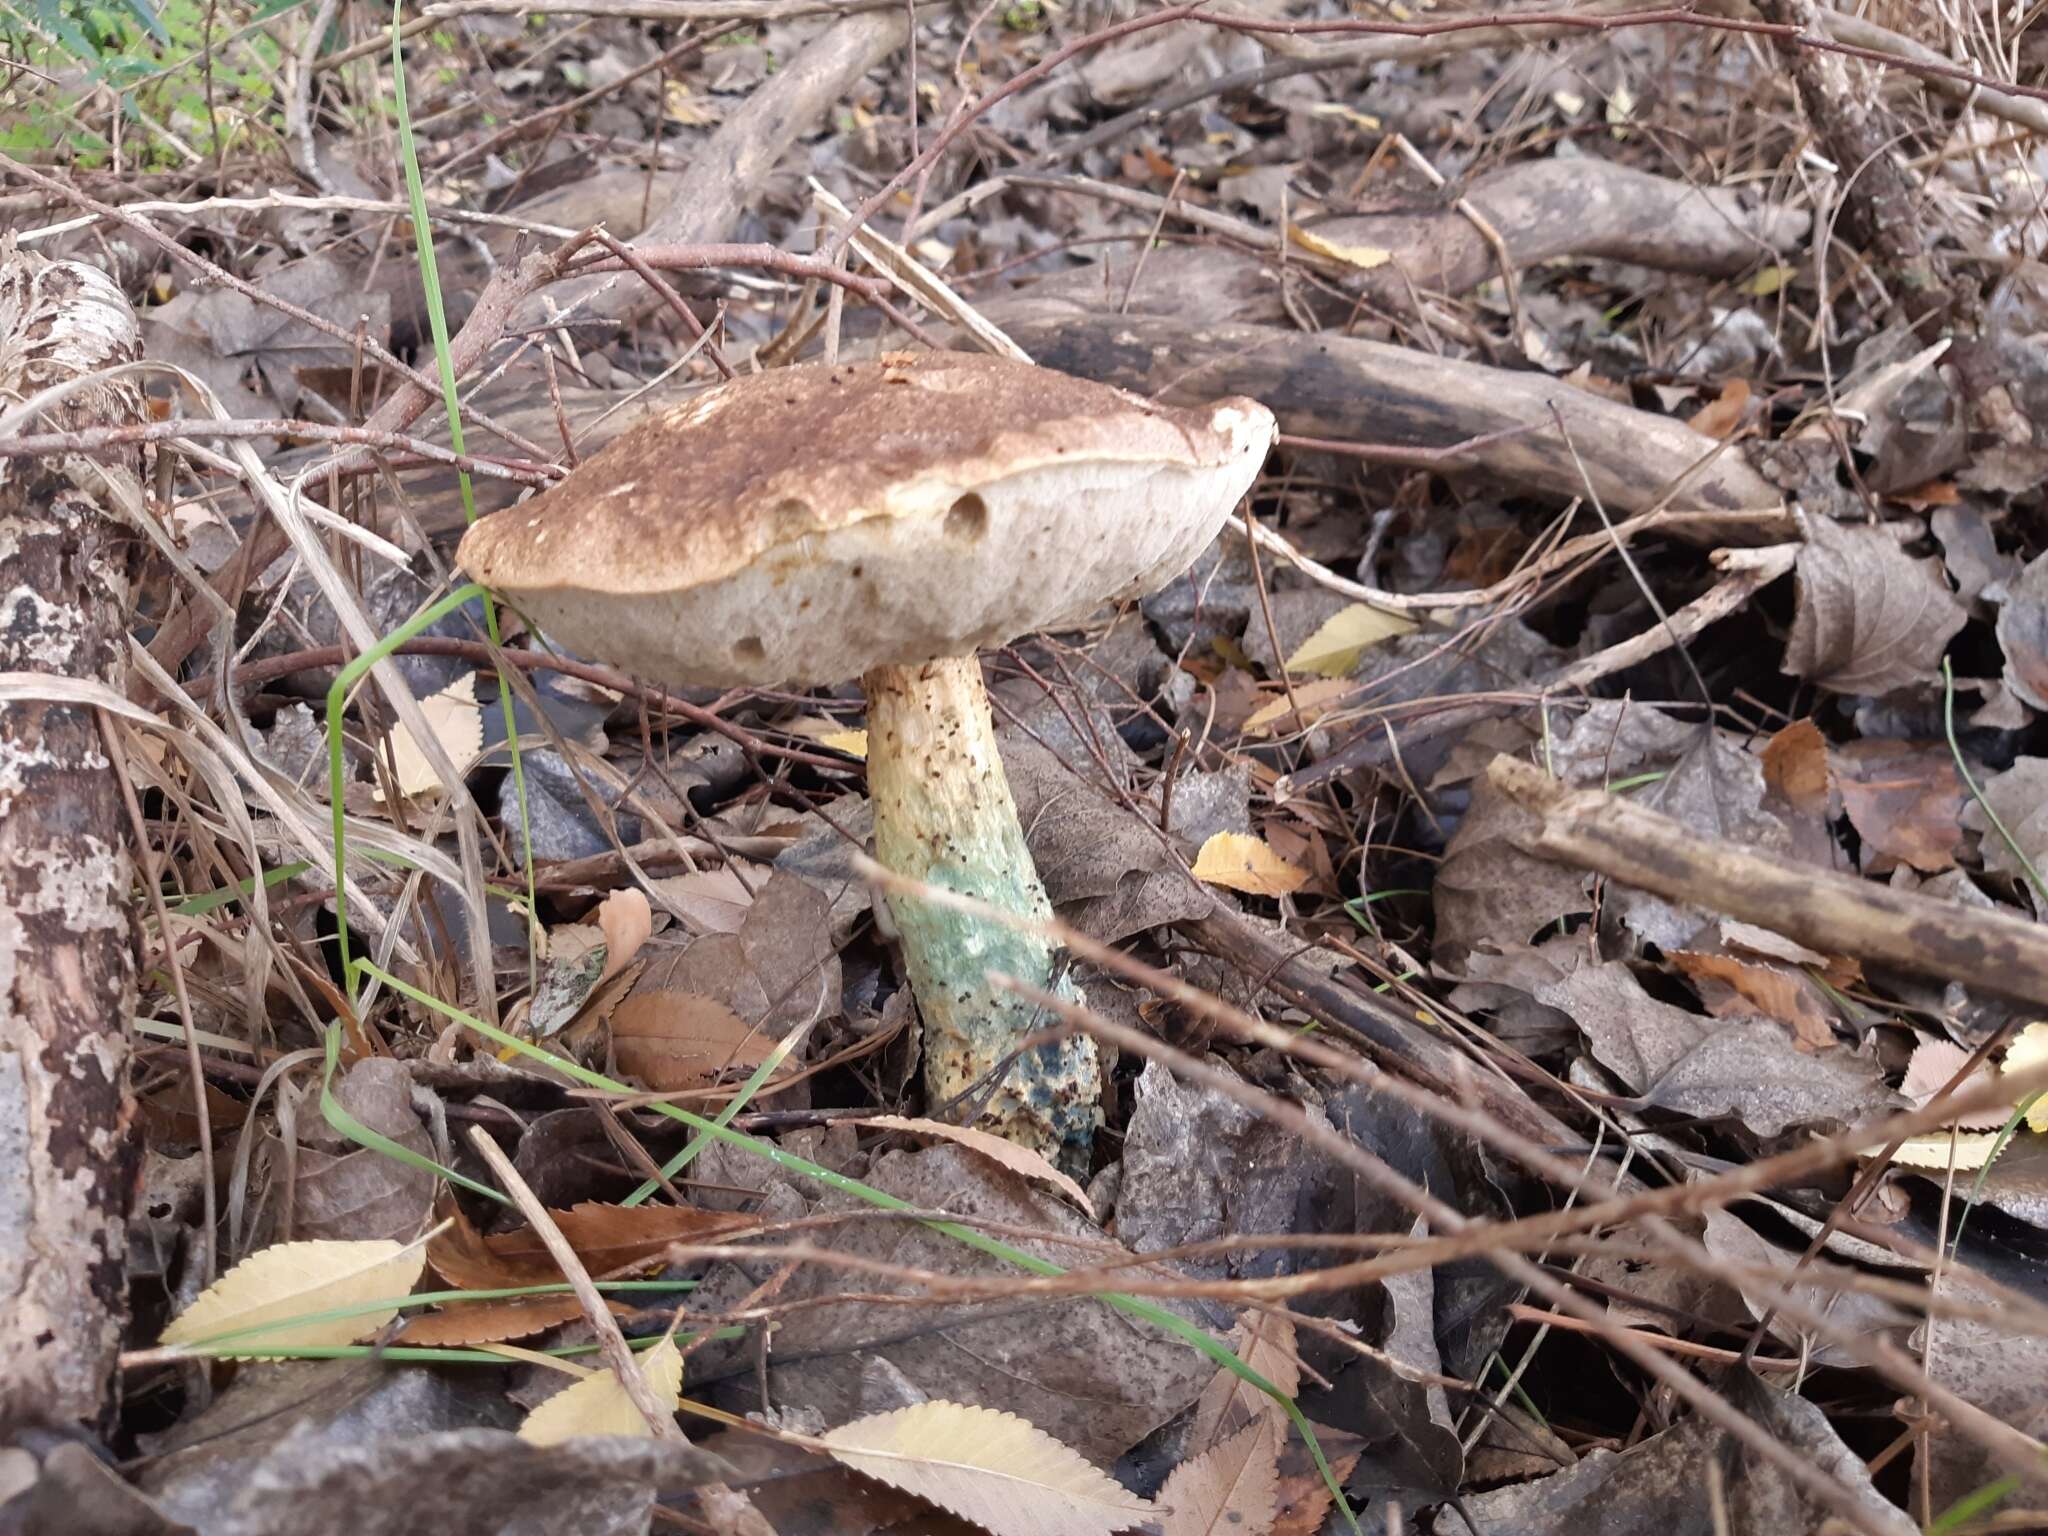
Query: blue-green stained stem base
(944, 817)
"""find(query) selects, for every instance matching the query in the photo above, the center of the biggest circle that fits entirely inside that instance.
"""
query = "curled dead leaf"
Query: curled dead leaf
(1021, 1160)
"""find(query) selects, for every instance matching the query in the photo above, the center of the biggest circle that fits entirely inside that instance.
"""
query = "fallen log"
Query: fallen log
(67, 938)
(1835, 914)
(1571, 442)
(1543, 210)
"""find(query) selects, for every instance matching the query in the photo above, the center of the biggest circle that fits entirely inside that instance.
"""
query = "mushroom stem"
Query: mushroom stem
(944, 817)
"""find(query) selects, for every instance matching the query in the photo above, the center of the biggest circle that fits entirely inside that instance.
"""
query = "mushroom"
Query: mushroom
(887, 519)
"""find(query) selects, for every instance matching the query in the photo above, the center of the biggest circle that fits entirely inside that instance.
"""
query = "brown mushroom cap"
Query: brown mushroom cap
(807, 524)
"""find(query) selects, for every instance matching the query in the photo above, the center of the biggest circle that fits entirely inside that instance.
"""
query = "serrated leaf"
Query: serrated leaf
(1232, 1487)
(1243, 863)
(1362, 258)
(1928, 1071)
(1972, 1150)
(1007, 1476)
(598, 1404)
(1019, 1160)
(1265, 1342)
(290, 1280)
(1334, 649)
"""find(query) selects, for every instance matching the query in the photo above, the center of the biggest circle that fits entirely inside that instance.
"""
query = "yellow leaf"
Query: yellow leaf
(1334, 649)
(292, 1280)
(1621, 107)
(1007, 1476)
(1315, 699)
(598, 1404)
(829, 733)
(1032, 1165)
(1245, 864)
(1362, 257)
(1770, 280)
(852, 743)
(1972, 1151)
(2028, 1050)
(679, 106)
(457, 721)
(1351, 115)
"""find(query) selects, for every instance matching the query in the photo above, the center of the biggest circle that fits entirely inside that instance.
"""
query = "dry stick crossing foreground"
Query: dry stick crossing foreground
(67, 971)
(1590, 829)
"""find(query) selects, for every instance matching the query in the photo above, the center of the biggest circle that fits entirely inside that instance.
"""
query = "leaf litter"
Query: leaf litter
(1266, 782)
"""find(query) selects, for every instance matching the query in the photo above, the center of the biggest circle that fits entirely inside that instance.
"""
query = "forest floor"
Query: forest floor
(1555, 887)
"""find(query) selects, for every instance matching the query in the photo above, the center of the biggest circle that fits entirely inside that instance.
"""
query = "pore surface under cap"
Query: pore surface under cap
(807, 524)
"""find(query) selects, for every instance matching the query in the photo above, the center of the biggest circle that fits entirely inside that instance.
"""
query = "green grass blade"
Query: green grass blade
(437, 323)
(337, 696)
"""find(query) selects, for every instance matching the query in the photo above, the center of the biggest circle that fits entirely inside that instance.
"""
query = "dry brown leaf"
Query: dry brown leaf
(713, 900)
(1265, 1342)
(1932, 1065)
(1905, 800)
(1007, 1476)
(1870, 618)
(1796, 767)
(1777, 992)
(1232, 1487)
(1721, 417)
(1021, 1160)
(607, 1238)
(676, 1040)
(1930, 494)
(2018, 797)
(1242, 863)
(598, 1404)
(492, 1322)
(626, 920)
(1304, 1497)
(289, 1280)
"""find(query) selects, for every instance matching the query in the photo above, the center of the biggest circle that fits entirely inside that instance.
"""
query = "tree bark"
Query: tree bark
(67, 971)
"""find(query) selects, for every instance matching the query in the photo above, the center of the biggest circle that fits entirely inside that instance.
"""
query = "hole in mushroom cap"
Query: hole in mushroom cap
(967, 520)
(748, 648)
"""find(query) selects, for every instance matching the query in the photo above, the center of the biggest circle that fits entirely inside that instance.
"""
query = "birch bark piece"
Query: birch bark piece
(67, 976)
